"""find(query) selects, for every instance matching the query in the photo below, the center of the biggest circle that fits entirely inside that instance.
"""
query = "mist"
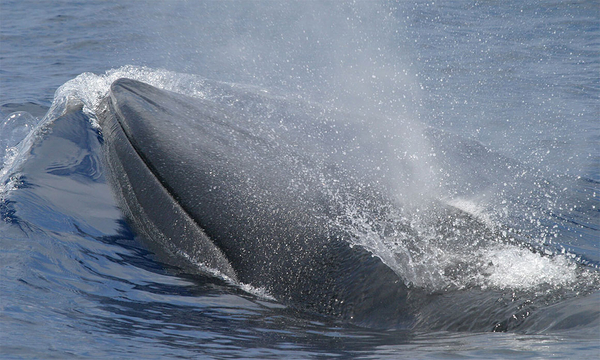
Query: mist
(353, 55)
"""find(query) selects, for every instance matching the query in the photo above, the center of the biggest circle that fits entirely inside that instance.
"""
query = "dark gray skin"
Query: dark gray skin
(197, 178)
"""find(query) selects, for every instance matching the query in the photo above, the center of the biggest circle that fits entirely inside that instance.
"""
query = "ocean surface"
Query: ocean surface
(510, 91)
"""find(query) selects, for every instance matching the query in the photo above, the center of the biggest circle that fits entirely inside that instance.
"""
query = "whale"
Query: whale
(296, 201)
(195, 178)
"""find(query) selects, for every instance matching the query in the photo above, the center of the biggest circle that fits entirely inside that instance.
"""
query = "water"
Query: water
(519, 77)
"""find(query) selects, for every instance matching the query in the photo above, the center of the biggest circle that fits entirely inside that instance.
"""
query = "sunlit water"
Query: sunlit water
(521, 78)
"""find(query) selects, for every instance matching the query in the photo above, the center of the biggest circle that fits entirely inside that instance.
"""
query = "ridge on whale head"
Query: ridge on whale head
(196, 177)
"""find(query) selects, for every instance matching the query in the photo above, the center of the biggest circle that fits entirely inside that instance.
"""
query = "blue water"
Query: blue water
(519, 77)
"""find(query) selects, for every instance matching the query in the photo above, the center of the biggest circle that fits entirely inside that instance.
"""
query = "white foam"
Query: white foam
(90, 88)
(517, 268)
(257, 291)
(202, 267)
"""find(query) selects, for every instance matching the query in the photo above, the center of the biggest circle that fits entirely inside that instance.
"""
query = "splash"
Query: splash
(456, 246)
